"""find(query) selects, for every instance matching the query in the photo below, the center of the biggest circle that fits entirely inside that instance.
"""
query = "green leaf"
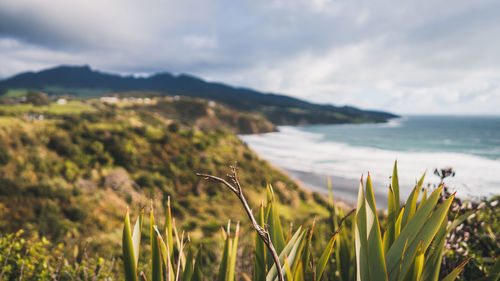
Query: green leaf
(136, 237)
(293, 253)
(270, 193)
(128, 251)
(320, 268)
(410, 206)
(345, 256)
(395, 186)
(260, 250)
(421, 181)
(397, 226)
(390, 233)
(427, 232)
(422, 200)
(178, 242)
(288, 271)
(197, 273)
(395, 253)
(233, 254)
(436, 249)
(376, 264)
(188, 269)
(223, 268)
(168, 228)
(156, 269)
(417, 264)
(434, 255)
(299, 273)
(290, 250)
(167, 260)
(276, 229)
(360, 237)
(411, 203)
(454, 274)
(306, 253)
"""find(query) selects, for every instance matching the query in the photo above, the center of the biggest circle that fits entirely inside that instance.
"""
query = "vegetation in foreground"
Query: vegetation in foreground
(329, 248)
(411, 247)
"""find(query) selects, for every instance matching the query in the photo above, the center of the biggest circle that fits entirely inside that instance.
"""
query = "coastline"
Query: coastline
(308, 155)
(344, 190)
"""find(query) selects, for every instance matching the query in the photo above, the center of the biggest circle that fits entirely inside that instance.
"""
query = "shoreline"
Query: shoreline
(309, 156)
(344, 190)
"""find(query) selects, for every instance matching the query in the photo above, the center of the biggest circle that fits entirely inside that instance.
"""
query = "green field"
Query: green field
(75, 107)
(15, 93)
(79, 92)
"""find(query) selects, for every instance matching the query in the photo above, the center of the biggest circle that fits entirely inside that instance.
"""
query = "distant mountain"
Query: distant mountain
(279, 109)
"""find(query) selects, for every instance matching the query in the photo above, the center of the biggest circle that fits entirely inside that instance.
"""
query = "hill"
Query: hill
(71, 176)
(279, 109)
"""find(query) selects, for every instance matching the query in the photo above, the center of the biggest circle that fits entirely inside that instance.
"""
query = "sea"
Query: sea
(468, 144)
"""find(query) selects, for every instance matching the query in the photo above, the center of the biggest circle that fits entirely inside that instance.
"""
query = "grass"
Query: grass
(15, 93)
(7, 121)
(72, 107)
(79, 92)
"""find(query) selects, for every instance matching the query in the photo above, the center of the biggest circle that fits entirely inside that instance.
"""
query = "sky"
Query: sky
(407, 57)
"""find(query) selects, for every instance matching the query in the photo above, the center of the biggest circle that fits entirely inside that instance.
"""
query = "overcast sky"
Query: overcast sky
(424, 56)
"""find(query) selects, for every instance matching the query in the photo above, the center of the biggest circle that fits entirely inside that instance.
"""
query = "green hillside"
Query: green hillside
(70, 177)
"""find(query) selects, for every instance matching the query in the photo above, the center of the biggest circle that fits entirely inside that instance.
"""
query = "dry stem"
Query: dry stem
(263, 233)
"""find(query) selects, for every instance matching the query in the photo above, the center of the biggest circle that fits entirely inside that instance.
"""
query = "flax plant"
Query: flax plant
(410, 248)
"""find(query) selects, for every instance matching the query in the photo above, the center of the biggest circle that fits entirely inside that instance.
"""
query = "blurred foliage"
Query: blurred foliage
(37, 98)
(33, 258)
(477, 237)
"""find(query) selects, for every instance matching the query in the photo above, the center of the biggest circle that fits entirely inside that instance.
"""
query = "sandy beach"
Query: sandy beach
(344, 190)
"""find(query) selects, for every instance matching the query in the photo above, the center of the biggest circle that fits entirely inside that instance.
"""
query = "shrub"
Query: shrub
(70, 171)
(75, 213)
(62, 144)
(174, 127)
(151, 180)
(4, 155)
(50, 223)
(124, 152)
(96, 147)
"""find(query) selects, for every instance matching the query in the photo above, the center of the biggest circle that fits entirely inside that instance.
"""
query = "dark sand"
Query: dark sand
(343, 189)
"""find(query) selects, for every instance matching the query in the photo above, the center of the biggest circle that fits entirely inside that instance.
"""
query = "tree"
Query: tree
(37, 98)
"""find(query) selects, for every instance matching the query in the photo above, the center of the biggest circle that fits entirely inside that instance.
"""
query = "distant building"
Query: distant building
(62, 101)
(109, 99)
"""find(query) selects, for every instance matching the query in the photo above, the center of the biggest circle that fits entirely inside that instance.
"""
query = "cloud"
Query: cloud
(403, 56)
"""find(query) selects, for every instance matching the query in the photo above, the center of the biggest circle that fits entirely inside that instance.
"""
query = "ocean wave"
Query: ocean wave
(291, 148)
